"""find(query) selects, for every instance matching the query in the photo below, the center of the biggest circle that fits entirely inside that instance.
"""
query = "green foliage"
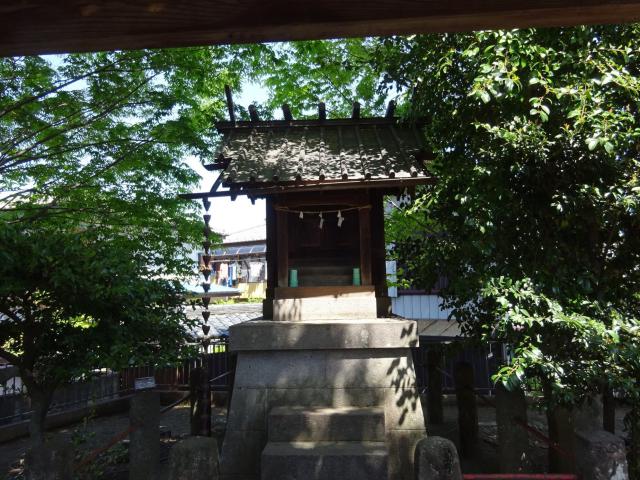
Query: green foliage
(70, 302)
(302, 74)
(98, 140)
(534, 218)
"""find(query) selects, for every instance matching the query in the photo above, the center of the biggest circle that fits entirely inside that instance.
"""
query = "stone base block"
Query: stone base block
(333, 365)
(324, 461)
(194, 458)
(321, 303)
(600, 455)
(372, 333)
(346, 424)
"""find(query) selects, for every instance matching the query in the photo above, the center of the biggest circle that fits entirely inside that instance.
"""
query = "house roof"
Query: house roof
(296, 152)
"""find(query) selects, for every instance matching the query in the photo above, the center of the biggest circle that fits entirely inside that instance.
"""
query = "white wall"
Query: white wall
(419, 307)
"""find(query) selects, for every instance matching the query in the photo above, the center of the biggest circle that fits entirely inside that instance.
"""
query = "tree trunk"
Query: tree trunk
(40, 401)
(633, 425)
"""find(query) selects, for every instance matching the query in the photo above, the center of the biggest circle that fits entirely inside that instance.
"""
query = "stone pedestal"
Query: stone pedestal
(330, 364)
(144, 447)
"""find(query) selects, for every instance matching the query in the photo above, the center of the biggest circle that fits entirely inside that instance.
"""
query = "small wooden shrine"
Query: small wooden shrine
(324, 181)
(324, 384)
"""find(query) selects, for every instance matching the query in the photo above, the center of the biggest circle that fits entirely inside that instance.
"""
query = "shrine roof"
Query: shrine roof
(296, 152)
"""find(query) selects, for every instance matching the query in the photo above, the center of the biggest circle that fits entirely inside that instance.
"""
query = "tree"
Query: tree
(73, 301)
(534, 217)
(99, 140)
(91, 165)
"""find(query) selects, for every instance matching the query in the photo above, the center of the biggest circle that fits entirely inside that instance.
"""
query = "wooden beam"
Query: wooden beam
(322, 112)
(282, 244)
(286, 112)
(322, 120)
(253, 113)
(271, 254)
(43, 26)
(391, 109)
(212, 167)
(232, 114)
(260, 190)
(355, 112)
(365, 245)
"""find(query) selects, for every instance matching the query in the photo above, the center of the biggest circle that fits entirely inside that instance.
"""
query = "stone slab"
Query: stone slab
(345, 306)
(144, 447)
(324, 461)
(371, 333)
(347, 424)
(194, 458)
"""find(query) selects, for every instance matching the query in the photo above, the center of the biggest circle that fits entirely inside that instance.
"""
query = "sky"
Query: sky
(238, 217)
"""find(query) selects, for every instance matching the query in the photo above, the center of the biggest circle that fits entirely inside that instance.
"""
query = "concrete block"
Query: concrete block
(144, 447)
(348, 424)
(303, 309)
(513, 440)
(324, 461)
(404, 409)
(248, 410)
(436, 458)
(323, 334)
(50, 461)
(373, 368)
(310, 397)
(402, 445)
(286, 369)
(241, 451)
(194, 458)
(600, 455)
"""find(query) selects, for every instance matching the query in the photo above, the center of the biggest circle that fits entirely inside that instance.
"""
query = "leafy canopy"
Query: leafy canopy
(72, 301)
(98, 140)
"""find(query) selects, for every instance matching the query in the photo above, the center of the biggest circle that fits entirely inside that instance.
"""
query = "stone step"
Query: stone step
(347, 424)
(324, 461)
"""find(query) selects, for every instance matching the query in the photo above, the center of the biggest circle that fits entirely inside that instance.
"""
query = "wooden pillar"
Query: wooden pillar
(282, 240)
(378, 247)
(271, 254)
(467, 409)
(608, 410)
(435, 411)
(513, 440)
(365, 245)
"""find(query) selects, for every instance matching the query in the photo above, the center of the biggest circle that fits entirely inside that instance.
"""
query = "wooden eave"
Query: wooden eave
(46, 27)
(386, 186)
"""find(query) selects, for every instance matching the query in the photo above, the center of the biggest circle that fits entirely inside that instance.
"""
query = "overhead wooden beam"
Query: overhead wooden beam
(43, 26)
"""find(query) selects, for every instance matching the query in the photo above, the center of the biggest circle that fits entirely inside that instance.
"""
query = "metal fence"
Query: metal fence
(103, 384)
(484, 360)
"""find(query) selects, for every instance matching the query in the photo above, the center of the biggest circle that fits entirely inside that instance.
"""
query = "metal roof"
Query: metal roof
(246, 250)
(298, 151)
